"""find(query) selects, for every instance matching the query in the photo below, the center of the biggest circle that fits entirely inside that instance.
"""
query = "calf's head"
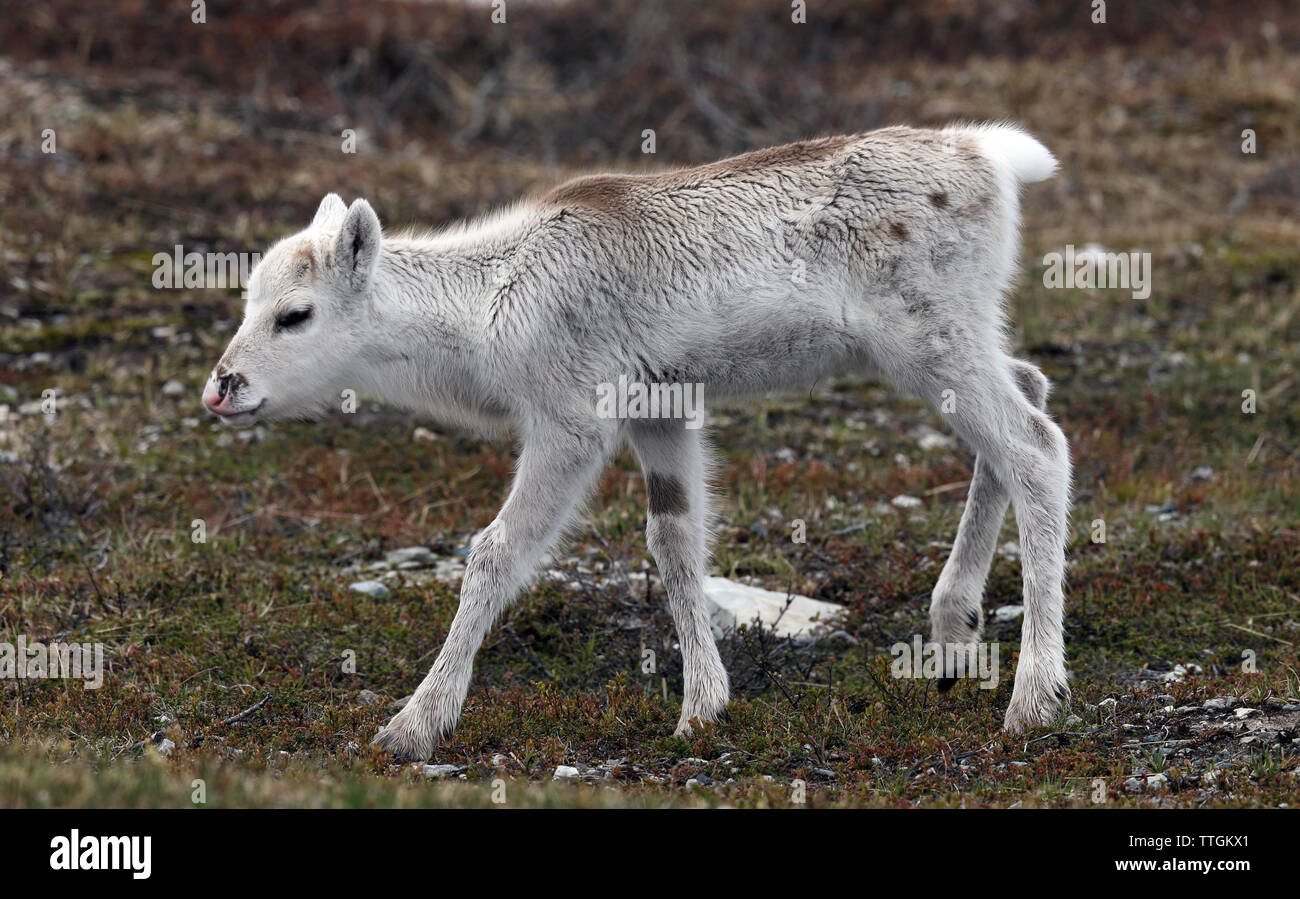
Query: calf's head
(305, 320)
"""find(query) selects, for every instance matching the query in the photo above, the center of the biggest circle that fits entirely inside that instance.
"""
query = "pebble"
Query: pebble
(368, 697)
(932, 440)
(565, 772)
(1008, 613)
(440, 770)
(174, 388)
(370, 588)
(1180, 672)
(404, 557)
(903, 501)
(1164, 512)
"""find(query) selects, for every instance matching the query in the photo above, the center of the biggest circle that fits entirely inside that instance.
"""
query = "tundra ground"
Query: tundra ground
(1199, 568)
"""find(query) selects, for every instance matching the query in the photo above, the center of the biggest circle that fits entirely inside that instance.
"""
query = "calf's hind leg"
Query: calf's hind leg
(1027, 452)
(956, 613)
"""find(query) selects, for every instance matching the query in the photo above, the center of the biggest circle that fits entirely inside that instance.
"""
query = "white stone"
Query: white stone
(1008, 613)
(370, 588)
(1180, 672)
(449, 571)
(564, 772)
(732, 605)
(421, 555)
(906, 502)
(931, 439)
(439, 770)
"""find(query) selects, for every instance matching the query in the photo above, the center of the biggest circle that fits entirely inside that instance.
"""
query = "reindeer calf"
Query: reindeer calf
(887, 253)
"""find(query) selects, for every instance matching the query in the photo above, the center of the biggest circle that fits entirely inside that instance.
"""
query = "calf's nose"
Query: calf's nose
(211, 399)
(217, 392)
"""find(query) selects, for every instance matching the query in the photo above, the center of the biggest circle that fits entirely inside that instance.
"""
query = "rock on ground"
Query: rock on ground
(732, 604)
(370, 588)
(411, 555)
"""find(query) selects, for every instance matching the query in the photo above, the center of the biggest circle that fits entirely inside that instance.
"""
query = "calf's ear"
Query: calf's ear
(330, 212)
(356, 250)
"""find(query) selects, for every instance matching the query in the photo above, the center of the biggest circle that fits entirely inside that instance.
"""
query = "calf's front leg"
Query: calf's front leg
(556, 469)
(672, 457)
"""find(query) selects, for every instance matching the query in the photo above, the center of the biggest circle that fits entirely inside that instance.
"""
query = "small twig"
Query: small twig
(528, 653)
(897, 700)
(248, 711)
(1258, 633)
(1059, 733)
(947, 488)
(768, 672)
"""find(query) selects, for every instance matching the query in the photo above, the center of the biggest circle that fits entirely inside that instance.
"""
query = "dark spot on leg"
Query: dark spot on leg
(666, 494)
(899, 230)
(939, 199)
(973, 620)
(1062, 693)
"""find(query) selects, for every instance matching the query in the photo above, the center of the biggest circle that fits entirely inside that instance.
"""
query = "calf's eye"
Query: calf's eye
(292, 319)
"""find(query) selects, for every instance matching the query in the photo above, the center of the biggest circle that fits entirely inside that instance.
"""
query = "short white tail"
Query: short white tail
(1013, 150)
